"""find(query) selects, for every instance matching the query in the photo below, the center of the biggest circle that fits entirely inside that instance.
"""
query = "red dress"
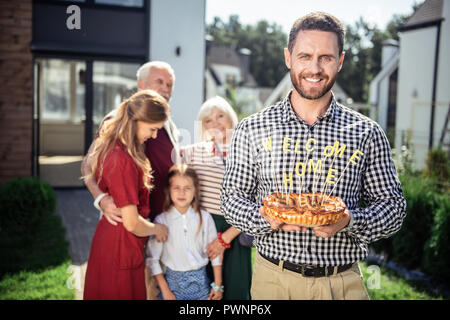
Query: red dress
(116, 264)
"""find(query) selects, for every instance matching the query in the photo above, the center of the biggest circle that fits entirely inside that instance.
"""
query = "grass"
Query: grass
(47, 284)
(391, 286)
(384, 284)
(34, 262)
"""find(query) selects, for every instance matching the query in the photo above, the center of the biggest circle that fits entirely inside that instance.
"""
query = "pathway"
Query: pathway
(80, 219)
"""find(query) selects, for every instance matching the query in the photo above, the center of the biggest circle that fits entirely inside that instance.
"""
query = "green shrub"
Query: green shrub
(32, 236)
(437, 250)
(25, 202)
(408, 244)
(438, 168)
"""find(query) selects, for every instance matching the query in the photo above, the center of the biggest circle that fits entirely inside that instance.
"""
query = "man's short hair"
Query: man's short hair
(142, 72)
(317, 21)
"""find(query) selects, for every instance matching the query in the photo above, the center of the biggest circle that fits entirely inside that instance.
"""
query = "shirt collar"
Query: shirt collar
(175, 214)
(289, 114)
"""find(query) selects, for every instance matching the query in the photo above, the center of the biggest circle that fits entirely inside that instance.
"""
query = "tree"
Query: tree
(266, 42)
(363, 46)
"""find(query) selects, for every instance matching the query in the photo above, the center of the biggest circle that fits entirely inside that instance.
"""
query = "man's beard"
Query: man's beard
(296, 83)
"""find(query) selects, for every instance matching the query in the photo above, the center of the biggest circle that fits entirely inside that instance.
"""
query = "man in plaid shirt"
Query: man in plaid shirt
(310, 143)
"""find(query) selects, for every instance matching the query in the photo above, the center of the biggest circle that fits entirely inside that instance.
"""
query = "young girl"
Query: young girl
(116, 264)
(184, 255)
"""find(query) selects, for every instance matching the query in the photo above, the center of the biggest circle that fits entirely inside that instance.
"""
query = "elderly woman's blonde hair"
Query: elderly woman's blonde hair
(206, 109)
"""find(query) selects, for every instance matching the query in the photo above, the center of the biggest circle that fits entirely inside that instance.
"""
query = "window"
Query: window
(61, 94)
(113, 83)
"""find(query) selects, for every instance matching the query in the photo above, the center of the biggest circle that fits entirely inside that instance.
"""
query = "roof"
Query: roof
(223, 55)
(429, 13)
(228, 56)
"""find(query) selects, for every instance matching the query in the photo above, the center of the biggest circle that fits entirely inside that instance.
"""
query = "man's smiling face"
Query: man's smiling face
(314, 63)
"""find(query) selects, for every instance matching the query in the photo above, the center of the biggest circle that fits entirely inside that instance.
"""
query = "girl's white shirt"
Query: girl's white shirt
(184, 249)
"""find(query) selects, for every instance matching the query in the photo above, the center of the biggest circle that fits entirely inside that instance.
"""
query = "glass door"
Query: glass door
(72, 97)
(113, 83)
(61, 107)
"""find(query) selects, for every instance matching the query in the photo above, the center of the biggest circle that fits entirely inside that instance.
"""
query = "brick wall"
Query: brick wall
(16, 89)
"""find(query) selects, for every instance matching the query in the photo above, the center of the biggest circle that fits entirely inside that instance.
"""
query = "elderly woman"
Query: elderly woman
(216, 122)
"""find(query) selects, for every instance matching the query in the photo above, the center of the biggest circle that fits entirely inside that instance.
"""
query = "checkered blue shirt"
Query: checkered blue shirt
(274, 149)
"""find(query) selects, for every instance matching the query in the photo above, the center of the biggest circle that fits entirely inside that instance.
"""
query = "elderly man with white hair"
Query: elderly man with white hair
(208, 158)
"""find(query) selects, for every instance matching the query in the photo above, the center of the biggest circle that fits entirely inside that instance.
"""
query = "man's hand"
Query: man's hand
(275, 224)
(331, 229)
(110, 211)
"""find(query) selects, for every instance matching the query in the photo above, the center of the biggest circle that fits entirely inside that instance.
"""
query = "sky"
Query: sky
(285, 12)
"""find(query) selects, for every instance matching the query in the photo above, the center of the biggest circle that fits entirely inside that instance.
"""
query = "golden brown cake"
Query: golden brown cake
(313, 209)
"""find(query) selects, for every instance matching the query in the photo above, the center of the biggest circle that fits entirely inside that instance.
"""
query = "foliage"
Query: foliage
(405, 159)
(363, 45)
(34, 252)
(437, 251)
(25, 202)
(421, 202)
(35, 248)
(438, 168)
(266, 42)
(47, 284)
(393, 286)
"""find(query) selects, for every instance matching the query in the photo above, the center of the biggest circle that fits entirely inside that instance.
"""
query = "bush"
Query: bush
(438, 168)
(437, 251)
(25, 202)
(32, 236)
(408, 244)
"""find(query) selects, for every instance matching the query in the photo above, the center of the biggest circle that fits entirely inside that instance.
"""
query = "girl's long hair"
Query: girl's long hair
(147, 106)
(184, 170)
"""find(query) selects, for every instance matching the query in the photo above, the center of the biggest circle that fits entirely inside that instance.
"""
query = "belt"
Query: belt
(307, 270)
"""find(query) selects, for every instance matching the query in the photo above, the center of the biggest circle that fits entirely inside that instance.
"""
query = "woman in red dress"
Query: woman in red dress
(116, 265)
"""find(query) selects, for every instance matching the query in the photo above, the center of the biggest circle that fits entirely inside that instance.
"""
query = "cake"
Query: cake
(313, 209)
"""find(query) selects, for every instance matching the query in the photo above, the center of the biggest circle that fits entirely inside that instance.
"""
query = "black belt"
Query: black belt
(307, 270)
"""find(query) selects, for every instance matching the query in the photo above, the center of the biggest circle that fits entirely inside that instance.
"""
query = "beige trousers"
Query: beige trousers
(272, 282)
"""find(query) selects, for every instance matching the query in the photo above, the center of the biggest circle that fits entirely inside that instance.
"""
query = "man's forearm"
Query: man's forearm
(92, 186)
(86, 170)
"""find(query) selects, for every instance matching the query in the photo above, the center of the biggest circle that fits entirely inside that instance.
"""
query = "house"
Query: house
(229, 69)
(65, 64)
(383, 89)
(411, 94)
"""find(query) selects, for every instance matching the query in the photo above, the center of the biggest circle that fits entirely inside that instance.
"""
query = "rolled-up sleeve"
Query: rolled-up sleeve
(153, 254)
(210, 235)
(238, 192)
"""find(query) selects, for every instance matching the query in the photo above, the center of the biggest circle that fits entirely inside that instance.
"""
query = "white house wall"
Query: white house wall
(182, 25)
(443, 87)
(383, 102)
(223, 71)
(417, 50)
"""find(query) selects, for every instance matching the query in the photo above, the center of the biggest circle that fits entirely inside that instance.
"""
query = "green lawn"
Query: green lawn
(393, 287)
(47, 284)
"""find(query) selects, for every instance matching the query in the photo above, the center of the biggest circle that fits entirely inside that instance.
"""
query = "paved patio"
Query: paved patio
(80, 220)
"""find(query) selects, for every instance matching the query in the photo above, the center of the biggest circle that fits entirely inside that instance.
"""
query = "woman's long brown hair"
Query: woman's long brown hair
(184, 170)
(147, 106)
